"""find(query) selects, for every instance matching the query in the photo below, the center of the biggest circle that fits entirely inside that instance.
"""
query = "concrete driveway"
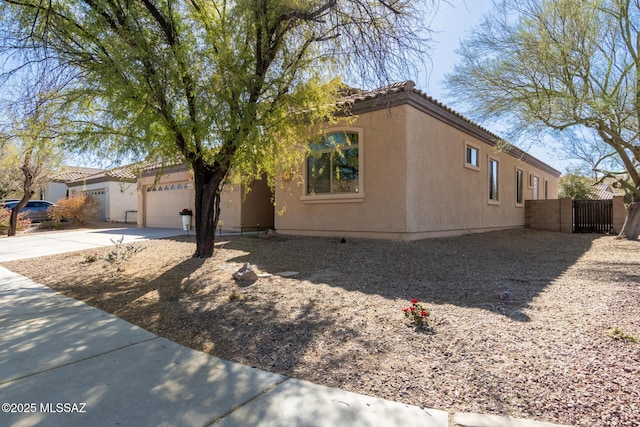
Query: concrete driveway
(42, 244)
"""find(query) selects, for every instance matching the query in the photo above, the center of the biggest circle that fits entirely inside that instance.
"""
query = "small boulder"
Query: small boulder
(246, 274)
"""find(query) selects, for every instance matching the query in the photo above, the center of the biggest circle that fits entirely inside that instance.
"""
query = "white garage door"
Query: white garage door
(164, 201)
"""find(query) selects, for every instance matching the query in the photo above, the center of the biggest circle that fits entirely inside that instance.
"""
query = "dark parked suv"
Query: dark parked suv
(35, 210)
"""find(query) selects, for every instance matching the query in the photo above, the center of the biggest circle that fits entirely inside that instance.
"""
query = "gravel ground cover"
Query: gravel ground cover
(522, 323)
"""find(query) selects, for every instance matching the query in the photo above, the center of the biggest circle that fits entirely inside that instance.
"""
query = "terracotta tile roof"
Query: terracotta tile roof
(606, 189)
(359, 95)
(406, 93)
(128, 173)
(71, 173)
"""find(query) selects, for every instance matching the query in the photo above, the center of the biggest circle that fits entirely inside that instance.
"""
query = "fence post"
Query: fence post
(619, 213)
(566, 215)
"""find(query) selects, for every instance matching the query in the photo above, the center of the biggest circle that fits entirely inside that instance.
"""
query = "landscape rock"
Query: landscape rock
(246, 274)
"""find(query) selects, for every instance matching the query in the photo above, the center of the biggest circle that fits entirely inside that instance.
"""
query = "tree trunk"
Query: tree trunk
(207, 187)
(631, 228)
(27, 193)
(13, 219)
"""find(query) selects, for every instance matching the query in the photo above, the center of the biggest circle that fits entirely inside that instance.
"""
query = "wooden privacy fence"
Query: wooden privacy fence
(592, 216)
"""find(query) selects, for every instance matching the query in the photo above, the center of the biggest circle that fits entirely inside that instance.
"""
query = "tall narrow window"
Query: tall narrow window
(536, 184)
(519, 186)
(493, 180)
(332, 166)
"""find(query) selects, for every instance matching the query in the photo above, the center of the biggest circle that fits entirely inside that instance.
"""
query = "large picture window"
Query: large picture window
(332, 165)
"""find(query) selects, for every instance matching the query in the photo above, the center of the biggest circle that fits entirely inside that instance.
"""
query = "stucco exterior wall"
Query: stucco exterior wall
(414, 184)
(54, 191)
(257, 206)
(378, 210)
(446, 197)
(119, 197)
(122, 197)
(230, 208)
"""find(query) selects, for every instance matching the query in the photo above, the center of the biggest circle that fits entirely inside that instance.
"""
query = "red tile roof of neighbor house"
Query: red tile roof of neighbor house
(71, 173)
(405, 92)
(606, 189)
(127, 173)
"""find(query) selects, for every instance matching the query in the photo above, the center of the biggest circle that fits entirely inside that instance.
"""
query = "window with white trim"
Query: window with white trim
(493, 180)
(333, 164)
(472, 155)
(536, 184)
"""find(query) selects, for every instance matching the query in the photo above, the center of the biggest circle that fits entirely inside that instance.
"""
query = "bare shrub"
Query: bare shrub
(77, 209)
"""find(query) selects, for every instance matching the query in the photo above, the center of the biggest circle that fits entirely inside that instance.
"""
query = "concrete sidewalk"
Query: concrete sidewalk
(64, 363)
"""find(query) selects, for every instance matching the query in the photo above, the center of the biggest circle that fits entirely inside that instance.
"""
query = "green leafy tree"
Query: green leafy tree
(575, 186)
(562, 65)
(36, 151)
(229, 86)
(10, 174)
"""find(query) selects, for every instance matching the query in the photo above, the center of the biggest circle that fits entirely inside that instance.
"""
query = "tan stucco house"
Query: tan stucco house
(410, 168)
(405, 167)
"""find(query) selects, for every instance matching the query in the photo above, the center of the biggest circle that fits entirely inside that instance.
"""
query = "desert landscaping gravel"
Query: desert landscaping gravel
(523, 323)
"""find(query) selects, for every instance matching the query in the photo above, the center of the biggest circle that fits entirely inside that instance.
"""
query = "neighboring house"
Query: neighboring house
(115, 190)
(407, 167)
(607, 189)
(57, 188)
(162, 193)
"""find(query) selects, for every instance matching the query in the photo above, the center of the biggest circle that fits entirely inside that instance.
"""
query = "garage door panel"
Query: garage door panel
(164, 201)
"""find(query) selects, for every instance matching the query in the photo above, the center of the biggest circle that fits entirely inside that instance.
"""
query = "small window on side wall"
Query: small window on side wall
(472, 156)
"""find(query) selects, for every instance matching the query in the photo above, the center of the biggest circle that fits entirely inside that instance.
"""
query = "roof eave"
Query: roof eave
(448, 116)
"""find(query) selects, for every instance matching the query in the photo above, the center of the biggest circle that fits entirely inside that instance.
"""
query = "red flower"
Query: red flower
(412, 309)
(414, 301)
(405, 310)
(423, 313)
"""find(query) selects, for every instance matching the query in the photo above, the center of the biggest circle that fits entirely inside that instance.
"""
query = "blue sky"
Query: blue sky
(451, 25)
